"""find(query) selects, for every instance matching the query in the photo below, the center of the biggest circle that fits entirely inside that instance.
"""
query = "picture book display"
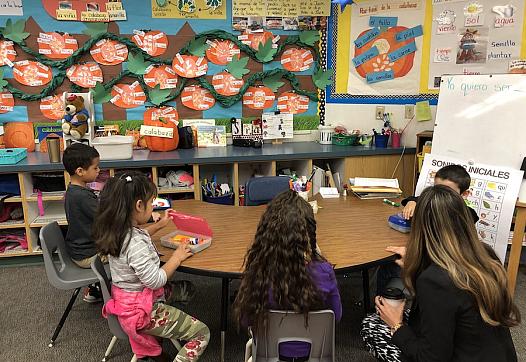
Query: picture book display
(493, 194)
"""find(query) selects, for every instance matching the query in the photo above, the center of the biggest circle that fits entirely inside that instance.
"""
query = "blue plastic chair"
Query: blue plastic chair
(261, 190)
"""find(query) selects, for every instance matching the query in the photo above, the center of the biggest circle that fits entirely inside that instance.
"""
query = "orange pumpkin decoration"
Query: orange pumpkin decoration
(220, 52)
(226, 84)
(109, 52)
(85, 75)
(386, 43)
(7, 102)
(198, 98)
(189, 66)
(128, 96)
(56, 46)
(296, 59)
(163, 75)
(52, 107)
(290, 102)
(31, 73)
(19, 135)
(153, 42)
(164, 117)
(253, 39)
(7, 53)
(258, 97)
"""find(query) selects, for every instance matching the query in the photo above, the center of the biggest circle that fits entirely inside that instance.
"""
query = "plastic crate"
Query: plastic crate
(227, 199)
(10, 156)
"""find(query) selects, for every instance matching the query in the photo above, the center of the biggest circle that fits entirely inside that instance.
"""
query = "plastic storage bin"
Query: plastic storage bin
(10, 156)
(114, 147)
(344, 140)
(227, 199)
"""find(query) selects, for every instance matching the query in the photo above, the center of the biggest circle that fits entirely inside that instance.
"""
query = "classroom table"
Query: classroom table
(516, 245)
(352, 234)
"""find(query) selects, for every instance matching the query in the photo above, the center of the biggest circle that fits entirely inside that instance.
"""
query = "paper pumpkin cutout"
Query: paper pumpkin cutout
(7, 53)
(167, 112)
(386, 43)
(56, 46)
(226, 84)
(85, 75)
(253, 39)
(127, 96)
(153, 42)
(220, 52)
(198, 98)
(297, 59)
(52, 107)
(258, 97)
(109, 52)
(290, 102)
(163, 75)
(7, 102)
(31, 73)
(189, 66)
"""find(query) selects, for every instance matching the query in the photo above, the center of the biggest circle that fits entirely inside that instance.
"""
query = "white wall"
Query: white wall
(362, 117)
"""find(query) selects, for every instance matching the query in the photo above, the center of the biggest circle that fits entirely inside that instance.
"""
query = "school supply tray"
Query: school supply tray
(191, 230)
(227, 199)
(11, 156)
(344, 140)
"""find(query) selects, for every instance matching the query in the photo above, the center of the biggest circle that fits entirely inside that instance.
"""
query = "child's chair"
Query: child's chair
(285, 326)
(113, 322)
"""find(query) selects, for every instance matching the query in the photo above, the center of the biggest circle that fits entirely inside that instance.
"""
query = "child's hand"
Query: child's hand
(399, 250)
(156, 216)
(164, 220)
(409, 210)
(182, 253)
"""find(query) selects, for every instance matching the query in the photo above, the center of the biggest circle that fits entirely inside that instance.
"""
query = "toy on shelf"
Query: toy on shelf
(78, 123)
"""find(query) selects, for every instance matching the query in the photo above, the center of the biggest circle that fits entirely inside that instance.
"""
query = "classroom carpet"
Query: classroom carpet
(30, 308)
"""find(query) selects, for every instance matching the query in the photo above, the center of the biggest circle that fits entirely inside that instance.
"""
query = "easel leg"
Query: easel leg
(516, 248)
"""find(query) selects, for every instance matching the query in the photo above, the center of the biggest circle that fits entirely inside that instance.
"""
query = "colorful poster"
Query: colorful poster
(11, 7)
(315, 7)
(493, 193)
(189, 9)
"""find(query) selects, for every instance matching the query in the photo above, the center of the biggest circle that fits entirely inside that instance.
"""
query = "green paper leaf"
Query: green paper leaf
(198, 47)
(136, 64)
(310, 37)
(158, 95)
(237, 67)
(15, 31)
(3, 84)
(100, 94)
(486, 204)
(322, 78)
(95, 29)
(266, 52)
(273, 82)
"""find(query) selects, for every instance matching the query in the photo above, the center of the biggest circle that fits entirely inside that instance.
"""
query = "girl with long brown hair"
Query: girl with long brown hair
(284, 270)
(462, 308)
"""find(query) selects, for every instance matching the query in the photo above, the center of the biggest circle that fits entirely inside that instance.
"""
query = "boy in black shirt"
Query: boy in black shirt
(82, 164)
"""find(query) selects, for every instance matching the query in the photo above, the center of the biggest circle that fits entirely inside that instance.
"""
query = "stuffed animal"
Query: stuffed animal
(75, 122)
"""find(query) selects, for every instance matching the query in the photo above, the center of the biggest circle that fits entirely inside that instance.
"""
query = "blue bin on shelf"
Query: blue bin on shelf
(381, 140)
(11, 156)
(227, 199)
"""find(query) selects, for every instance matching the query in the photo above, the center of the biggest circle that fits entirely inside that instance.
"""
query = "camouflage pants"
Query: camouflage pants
(169, 322)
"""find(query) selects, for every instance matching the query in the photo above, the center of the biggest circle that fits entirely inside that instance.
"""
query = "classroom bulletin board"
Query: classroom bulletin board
(169, 32)
(426, 38)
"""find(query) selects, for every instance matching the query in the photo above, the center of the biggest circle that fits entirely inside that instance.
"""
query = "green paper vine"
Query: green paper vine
(141, 58)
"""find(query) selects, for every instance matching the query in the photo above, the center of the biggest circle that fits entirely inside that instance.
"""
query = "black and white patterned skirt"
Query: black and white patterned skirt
(377, 337)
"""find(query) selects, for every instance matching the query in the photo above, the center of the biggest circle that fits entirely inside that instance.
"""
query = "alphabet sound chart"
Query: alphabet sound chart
(492, 194)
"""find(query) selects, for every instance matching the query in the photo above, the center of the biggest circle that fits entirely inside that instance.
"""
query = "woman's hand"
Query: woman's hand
(409, 210)
(389, 314)
(400, 250)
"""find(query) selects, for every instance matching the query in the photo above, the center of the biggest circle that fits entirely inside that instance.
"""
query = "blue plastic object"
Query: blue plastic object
(11, 156)
(398, 223)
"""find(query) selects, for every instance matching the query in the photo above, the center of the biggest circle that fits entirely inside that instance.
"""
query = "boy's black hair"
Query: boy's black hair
(456, 174)
(78, 155)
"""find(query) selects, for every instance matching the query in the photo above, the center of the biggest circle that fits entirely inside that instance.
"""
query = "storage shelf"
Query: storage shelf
(12, 224)
(52, 212)
(9, 254)
(178, 190)
(13, 199)
(47, 196)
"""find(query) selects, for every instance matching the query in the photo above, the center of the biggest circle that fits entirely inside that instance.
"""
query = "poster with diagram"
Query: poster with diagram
(386, 47)
(474, 37)
(493, 194)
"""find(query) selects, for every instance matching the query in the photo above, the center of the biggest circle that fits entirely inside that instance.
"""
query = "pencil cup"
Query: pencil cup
(381, 140)
(395, 140)
(326, 134)
(53, 148)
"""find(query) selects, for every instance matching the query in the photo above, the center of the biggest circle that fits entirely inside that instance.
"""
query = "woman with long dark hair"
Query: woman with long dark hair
(284, 269)
(462, 307)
